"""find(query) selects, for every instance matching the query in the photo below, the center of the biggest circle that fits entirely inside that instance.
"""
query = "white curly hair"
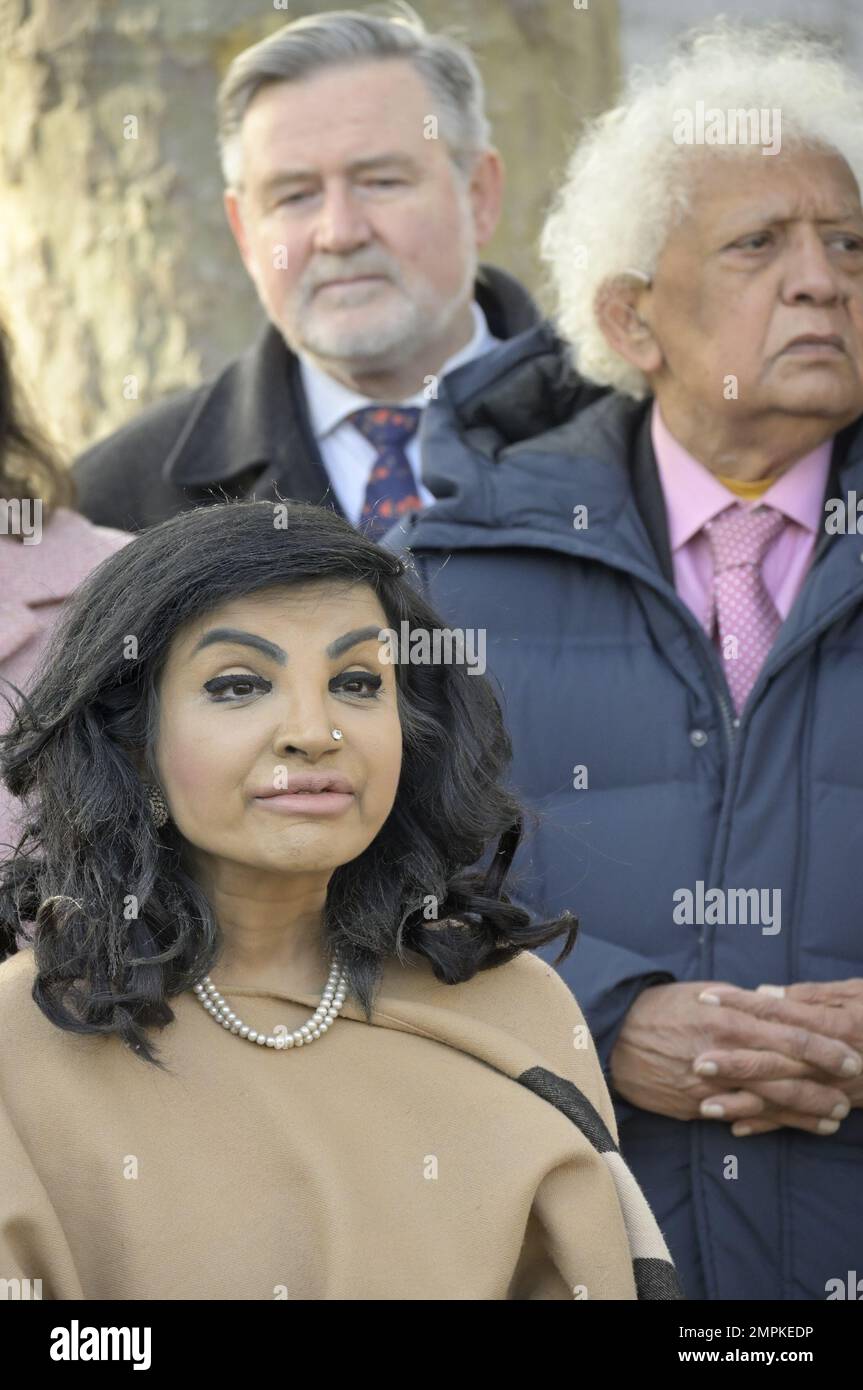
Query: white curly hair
(626, 182)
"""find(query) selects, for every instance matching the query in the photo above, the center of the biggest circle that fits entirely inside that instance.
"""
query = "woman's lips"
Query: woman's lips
(306, 803)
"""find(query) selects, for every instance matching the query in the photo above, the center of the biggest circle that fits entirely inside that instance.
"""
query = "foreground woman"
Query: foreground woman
(257, 1050)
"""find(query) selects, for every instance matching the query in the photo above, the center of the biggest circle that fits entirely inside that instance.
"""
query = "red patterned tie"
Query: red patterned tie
(391, 489)
(746, 617)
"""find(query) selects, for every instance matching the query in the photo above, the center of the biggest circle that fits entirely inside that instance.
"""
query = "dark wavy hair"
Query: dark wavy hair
(89, 839)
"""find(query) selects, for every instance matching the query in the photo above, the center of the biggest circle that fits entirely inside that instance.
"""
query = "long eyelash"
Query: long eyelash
(374, 681)
(219, 683)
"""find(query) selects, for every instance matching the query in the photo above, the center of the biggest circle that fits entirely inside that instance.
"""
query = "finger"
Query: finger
(765, 1004)
(806, 1034)
(742, 1128)
(732, 1105)
(793, 1120)
(832, 992)
(748, 1064)
(804, 1098)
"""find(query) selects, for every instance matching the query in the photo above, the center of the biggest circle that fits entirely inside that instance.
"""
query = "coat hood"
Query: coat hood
(517, 440)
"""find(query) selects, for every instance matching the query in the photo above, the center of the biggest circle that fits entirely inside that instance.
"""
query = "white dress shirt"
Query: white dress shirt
(347, 456)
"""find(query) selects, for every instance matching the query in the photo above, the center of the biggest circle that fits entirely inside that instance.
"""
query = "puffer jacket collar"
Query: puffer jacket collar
(517, 440)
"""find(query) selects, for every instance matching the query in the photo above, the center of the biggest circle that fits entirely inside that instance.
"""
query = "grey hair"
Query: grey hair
(627, 184)
(344, 37)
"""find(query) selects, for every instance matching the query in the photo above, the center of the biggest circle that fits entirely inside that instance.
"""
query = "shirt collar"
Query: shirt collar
(693, 496)
(329, 401)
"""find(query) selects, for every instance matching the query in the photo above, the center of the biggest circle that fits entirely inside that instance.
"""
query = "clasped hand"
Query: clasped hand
(758, 1059)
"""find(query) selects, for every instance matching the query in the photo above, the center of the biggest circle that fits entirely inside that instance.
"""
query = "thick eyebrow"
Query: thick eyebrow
(357, 166)
(352, 639)
(237, 637)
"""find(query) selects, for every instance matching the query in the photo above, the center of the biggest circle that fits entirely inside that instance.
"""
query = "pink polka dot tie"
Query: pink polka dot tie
(744, 613)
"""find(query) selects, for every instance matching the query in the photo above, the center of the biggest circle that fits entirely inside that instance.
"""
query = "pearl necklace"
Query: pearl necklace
(323, 1018)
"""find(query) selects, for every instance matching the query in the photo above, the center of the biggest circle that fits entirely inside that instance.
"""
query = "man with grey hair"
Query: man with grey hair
(360, 185)
(670, 572)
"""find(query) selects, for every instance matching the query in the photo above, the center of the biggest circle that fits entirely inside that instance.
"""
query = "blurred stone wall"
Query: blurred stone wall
(118, 275)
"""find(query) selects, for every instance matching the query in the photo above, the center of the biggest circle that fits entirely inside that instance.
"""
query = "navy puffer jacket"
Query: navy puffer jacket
(600, 666)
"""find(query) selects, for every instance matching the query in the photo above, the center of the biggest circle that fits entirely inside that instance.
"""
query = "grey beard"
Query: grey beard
(408, 330)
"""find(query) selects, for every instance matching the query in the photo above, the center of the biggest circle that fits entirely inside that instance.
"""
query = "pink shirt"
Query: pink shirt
(693, 496)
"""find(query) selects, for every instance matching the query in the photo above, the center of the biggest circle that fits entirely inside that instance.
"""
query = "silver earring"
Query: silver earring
(158, 805)
(337, 733)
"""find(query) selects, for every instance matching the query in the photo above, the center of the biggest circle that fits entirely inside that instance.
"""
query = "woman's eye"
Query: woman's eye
(244, 684)
(352, 679)
(233, 688)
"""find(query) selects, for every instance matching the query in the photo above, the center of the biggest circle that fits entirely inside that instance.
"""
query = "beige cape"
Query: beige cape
(463, 1146)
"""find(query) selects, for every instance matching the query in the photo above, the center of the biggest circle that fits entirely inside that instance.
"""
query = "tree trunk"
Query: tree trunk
(118, 276)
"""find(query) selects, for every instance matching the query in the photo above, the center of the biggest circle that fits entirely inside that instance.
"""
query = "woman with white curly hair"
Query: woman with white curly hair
(654, 511)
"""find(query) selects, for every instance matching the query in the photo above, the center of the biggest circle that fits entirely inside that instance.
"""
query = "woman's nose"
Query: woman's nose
(306, 728)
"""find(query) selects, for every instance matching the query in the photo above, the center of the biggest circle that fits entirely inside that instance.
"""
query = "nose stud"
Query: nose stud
(337, 733)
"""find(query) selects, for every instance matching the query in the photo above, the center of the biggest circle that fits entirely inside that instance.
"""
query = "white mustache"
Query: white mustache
(346, 273)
